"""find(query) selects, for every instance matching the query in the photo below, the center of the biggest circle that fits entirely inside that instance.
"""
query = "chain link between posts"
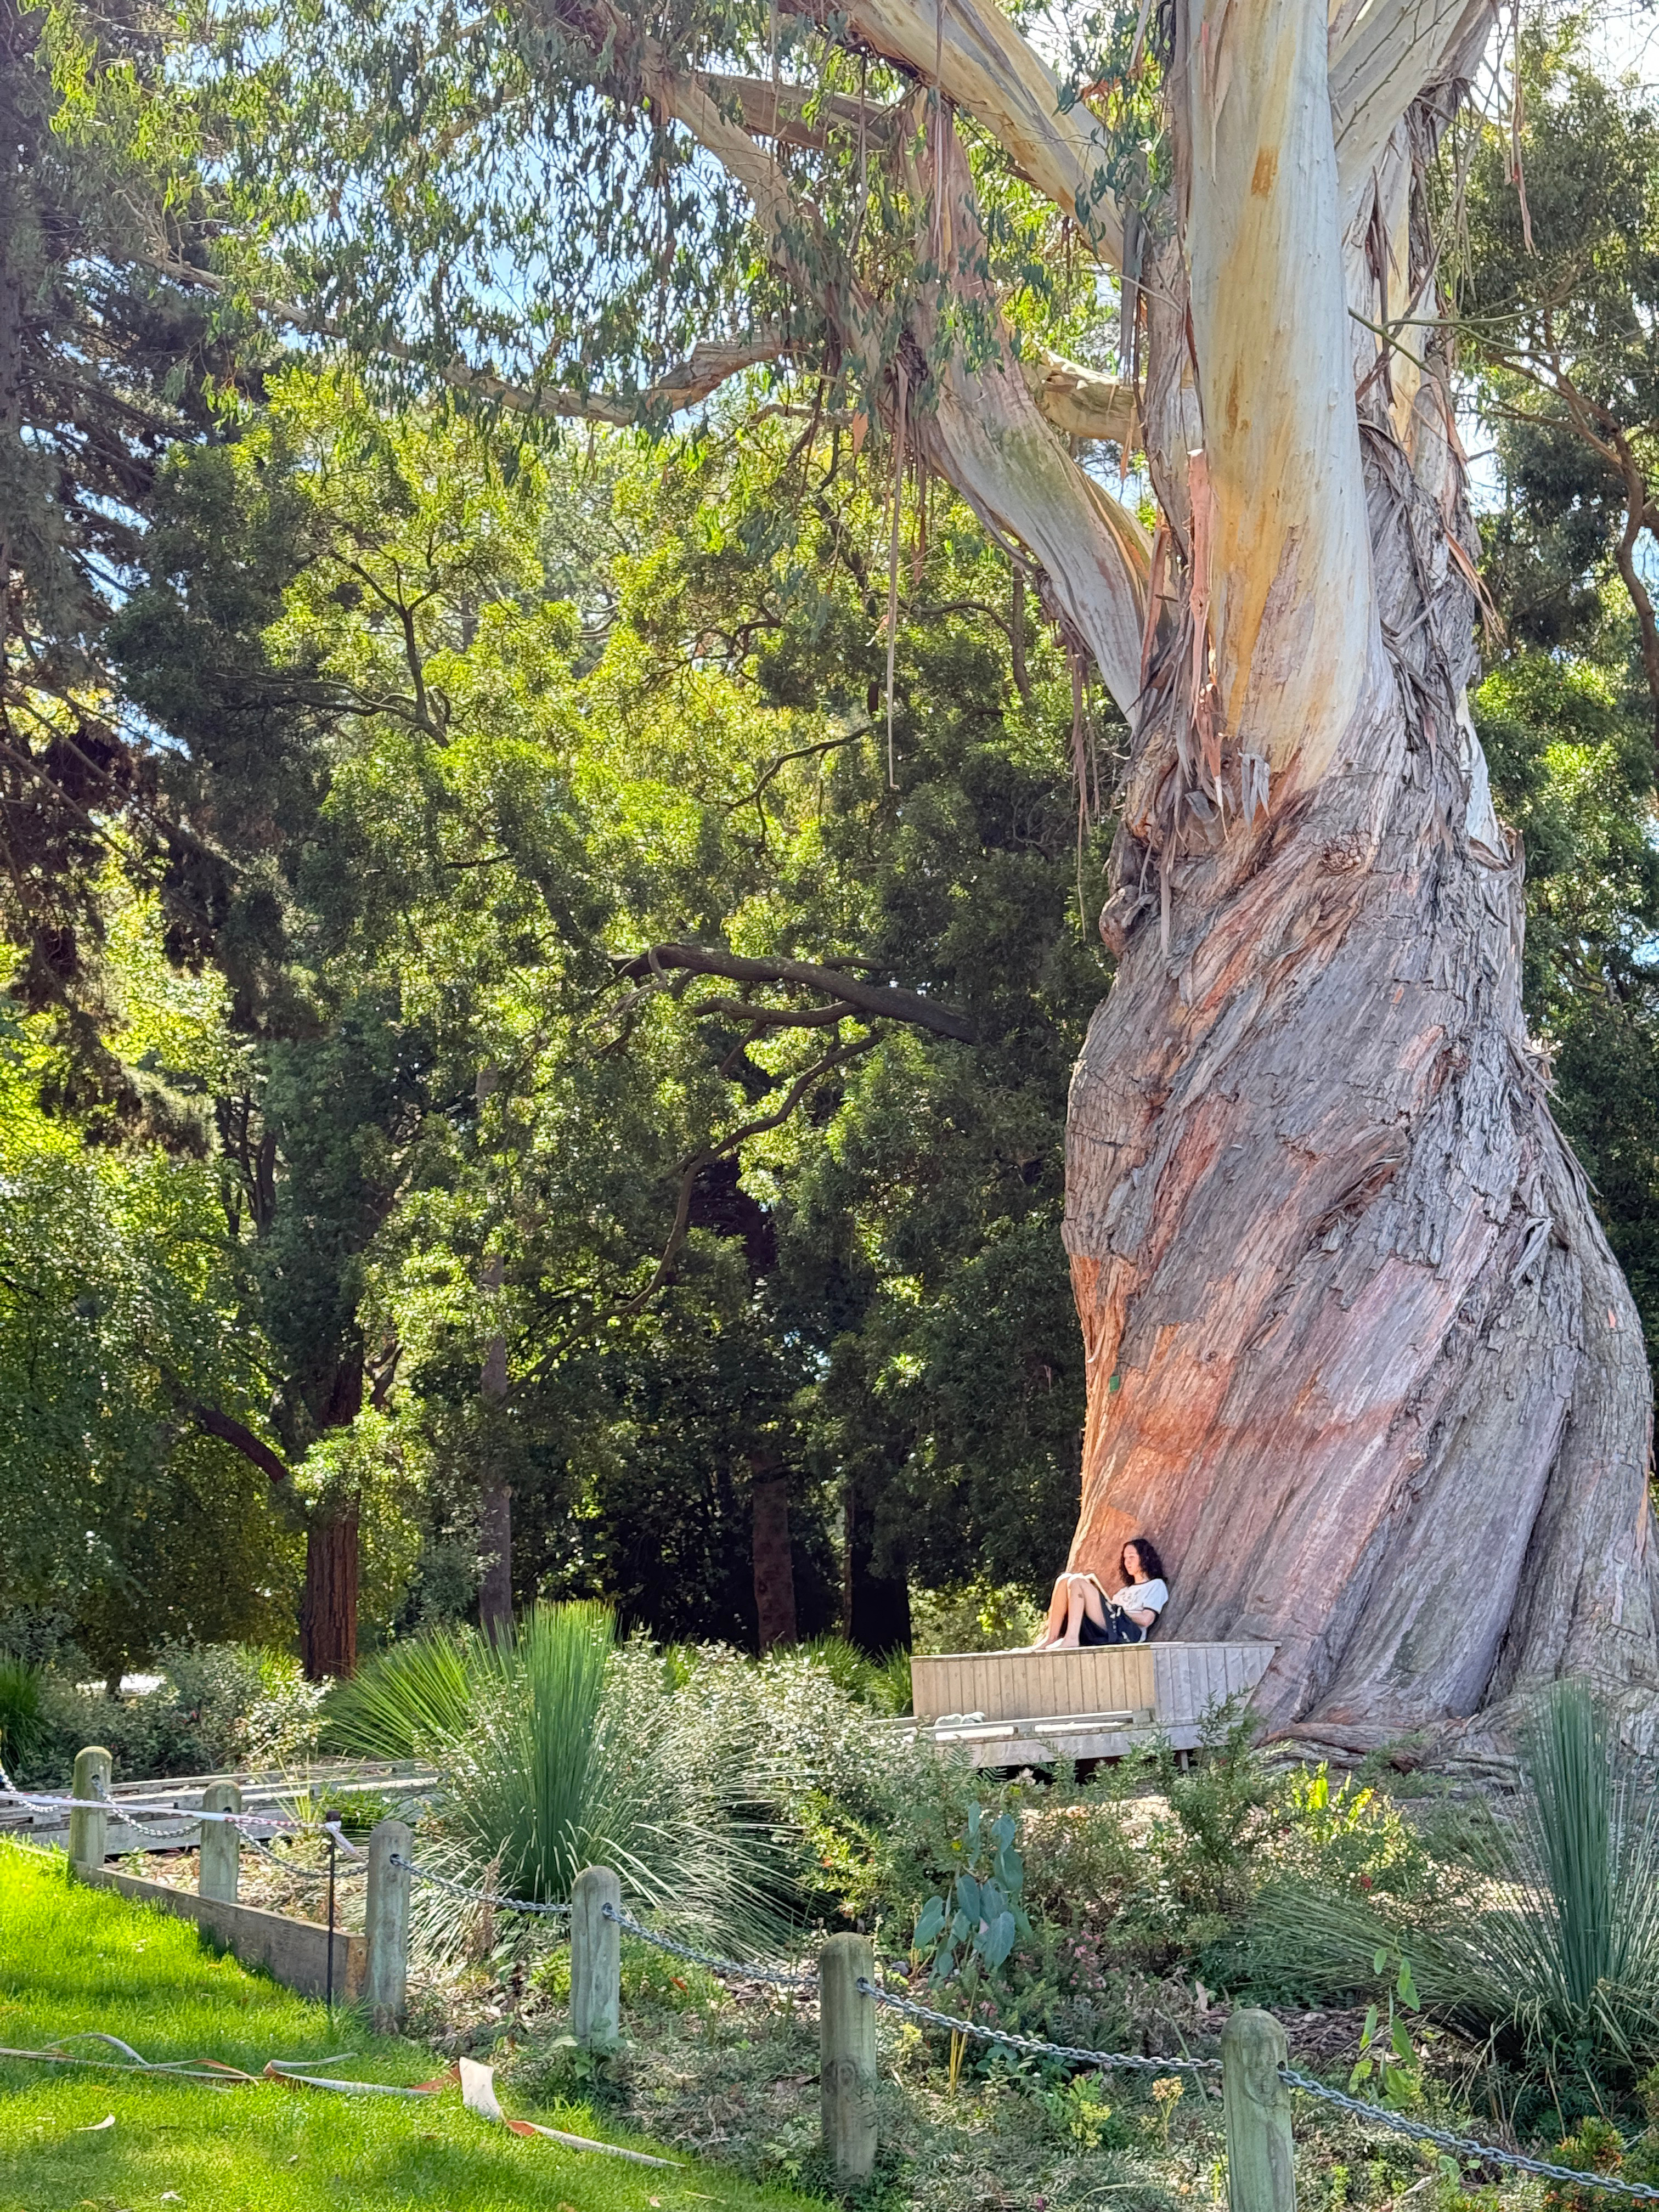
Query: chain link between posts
(1464, 2147)
(1467, 2148)
(123, 1810)
(733, 1969)
(478, 1896)
(1033, 2046)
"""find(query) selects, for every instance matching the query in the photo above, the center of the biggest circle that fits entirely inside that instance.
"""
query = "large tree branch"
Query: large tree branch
(230, 1431)
(1081, 402)
(799, 115)
(1382, 58)
(712, 362)
(1636, 508)
(981, 428)
(1288, 541)
(985, 66)
(690, 1168)
(985, 434)
(883, 1001)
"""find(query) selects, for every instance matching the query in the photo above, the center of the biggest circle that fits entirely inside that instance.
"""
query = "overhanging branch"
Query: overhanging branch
(799, 115)
(985, 67)
(712, 362)
(230, 1431)
(883, 1001)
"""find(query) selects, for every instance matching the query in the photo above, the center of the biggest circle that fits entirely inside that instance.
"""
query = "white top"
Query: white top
(1143, 1598)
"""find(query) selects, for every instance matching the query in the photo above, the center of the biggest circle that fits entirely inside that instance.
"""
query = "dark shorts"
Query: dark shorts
(1119, 1629)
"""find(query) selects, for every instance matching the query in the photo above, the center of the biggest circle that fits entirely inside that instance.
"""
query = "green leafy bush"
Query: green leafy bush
(216, 1706)
(976, 1616)
(22, 1730)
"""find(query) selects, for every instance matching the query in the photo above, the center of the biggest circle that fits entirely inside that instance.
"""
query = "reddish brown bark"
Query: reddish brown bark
(496, 1507)
(496, 1549)
(774, 1566)
(328, 1614)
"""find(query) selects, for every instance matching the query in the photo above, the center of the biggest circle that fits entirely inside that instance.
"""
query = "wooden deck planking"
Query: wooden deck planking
(1176, 1683)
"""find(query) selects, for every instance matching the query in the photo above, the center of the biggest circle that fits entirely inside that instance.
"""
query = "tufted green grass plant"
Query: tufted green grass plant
(559, 1751)
(1552, 1952)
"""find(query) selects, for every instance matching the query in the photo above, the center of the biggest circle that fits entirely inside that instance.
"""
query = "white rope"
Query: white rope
(123, 1808)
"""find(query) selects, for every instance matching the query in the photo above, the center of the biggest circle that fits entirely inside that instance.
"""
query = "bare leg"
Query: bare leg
(1082, 1597)
(1059, 1607)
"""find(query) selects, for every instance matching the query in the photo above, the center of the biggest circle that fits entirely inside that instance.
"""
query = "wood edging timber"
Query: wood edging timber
(291, 1951)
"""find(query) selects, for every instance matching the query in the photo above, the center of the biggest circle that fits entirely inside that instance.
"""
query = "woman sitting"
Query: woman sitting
(1080, 1613)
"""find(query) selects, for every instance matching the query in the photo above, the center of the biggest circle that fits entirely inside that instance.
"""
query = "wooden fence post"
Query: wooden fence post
(595, 1960)
(1261, 2150)
(89, 1833)
(218, 1863)
(847, 2056)
(386, 1922)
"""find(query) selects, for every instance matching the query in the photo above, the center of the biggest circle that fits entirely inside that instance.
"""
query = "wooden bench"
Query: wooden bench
(1018, 1708)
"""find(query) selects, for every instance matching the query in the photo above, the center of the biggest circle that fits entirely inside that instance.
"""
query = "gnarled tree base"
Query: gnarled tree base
(1359, 1358)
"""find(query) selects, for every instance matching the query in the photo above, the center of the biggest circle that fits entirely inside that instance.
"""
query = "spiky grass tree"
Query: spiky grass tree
(1359, 1356)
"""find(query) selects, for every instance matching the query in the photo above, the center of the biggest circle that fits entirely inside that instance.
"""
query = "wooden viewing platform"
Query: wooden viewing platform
(1018, 1708)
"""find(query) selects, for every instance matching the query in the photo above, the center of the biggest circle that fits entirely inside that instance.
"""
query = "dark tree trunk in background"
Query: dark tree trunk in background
(496, 1507)
(328, 1617)
(328, 1610)
(875, 1605)
(495, 1548)
(774, 1566)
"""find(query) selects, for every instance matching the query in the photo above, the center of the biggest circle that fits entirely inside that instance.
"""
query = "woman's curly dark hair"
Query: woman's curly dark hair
(1149, 1559)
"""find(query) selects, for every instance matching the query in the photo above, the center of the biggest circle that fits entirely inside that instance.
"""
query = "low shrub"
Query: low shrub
(216, 1706)
(23, 1732)
(1538, 1930)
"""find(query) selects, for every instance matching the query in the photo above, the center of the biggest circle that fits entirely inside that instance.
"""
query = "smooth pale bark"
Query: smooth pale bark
(1382, 58)
(1290, 586)
(985, 433)
(1079, 402)
(981, 63)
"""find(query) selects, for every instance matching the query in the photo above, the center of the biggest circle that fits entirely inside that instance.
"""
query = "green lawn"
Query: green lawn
(73, 1959)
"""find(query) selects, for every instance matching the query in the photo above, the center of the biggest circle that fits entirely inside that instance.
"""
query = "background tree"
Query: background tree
(1556, 319)
(1557, 331)
(121, 1313)
(103, 364)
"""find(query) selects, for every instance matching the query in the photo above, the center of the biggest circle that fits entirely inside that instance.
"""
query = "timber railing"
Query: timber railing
(1256, 2078)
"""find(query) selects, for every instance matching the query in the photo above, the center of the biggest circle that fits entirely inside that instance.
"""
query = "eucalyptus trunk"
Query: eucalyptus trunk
(1359, 1360)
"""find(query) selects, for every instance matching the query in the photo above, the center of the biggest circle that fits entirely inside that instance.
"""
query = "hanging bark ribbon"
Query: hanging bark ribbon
(893, 563)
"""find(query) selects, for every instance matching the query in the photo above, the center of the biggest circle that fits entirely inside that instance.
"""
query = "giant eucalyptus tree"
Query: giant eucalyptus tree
(1358, 1354)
